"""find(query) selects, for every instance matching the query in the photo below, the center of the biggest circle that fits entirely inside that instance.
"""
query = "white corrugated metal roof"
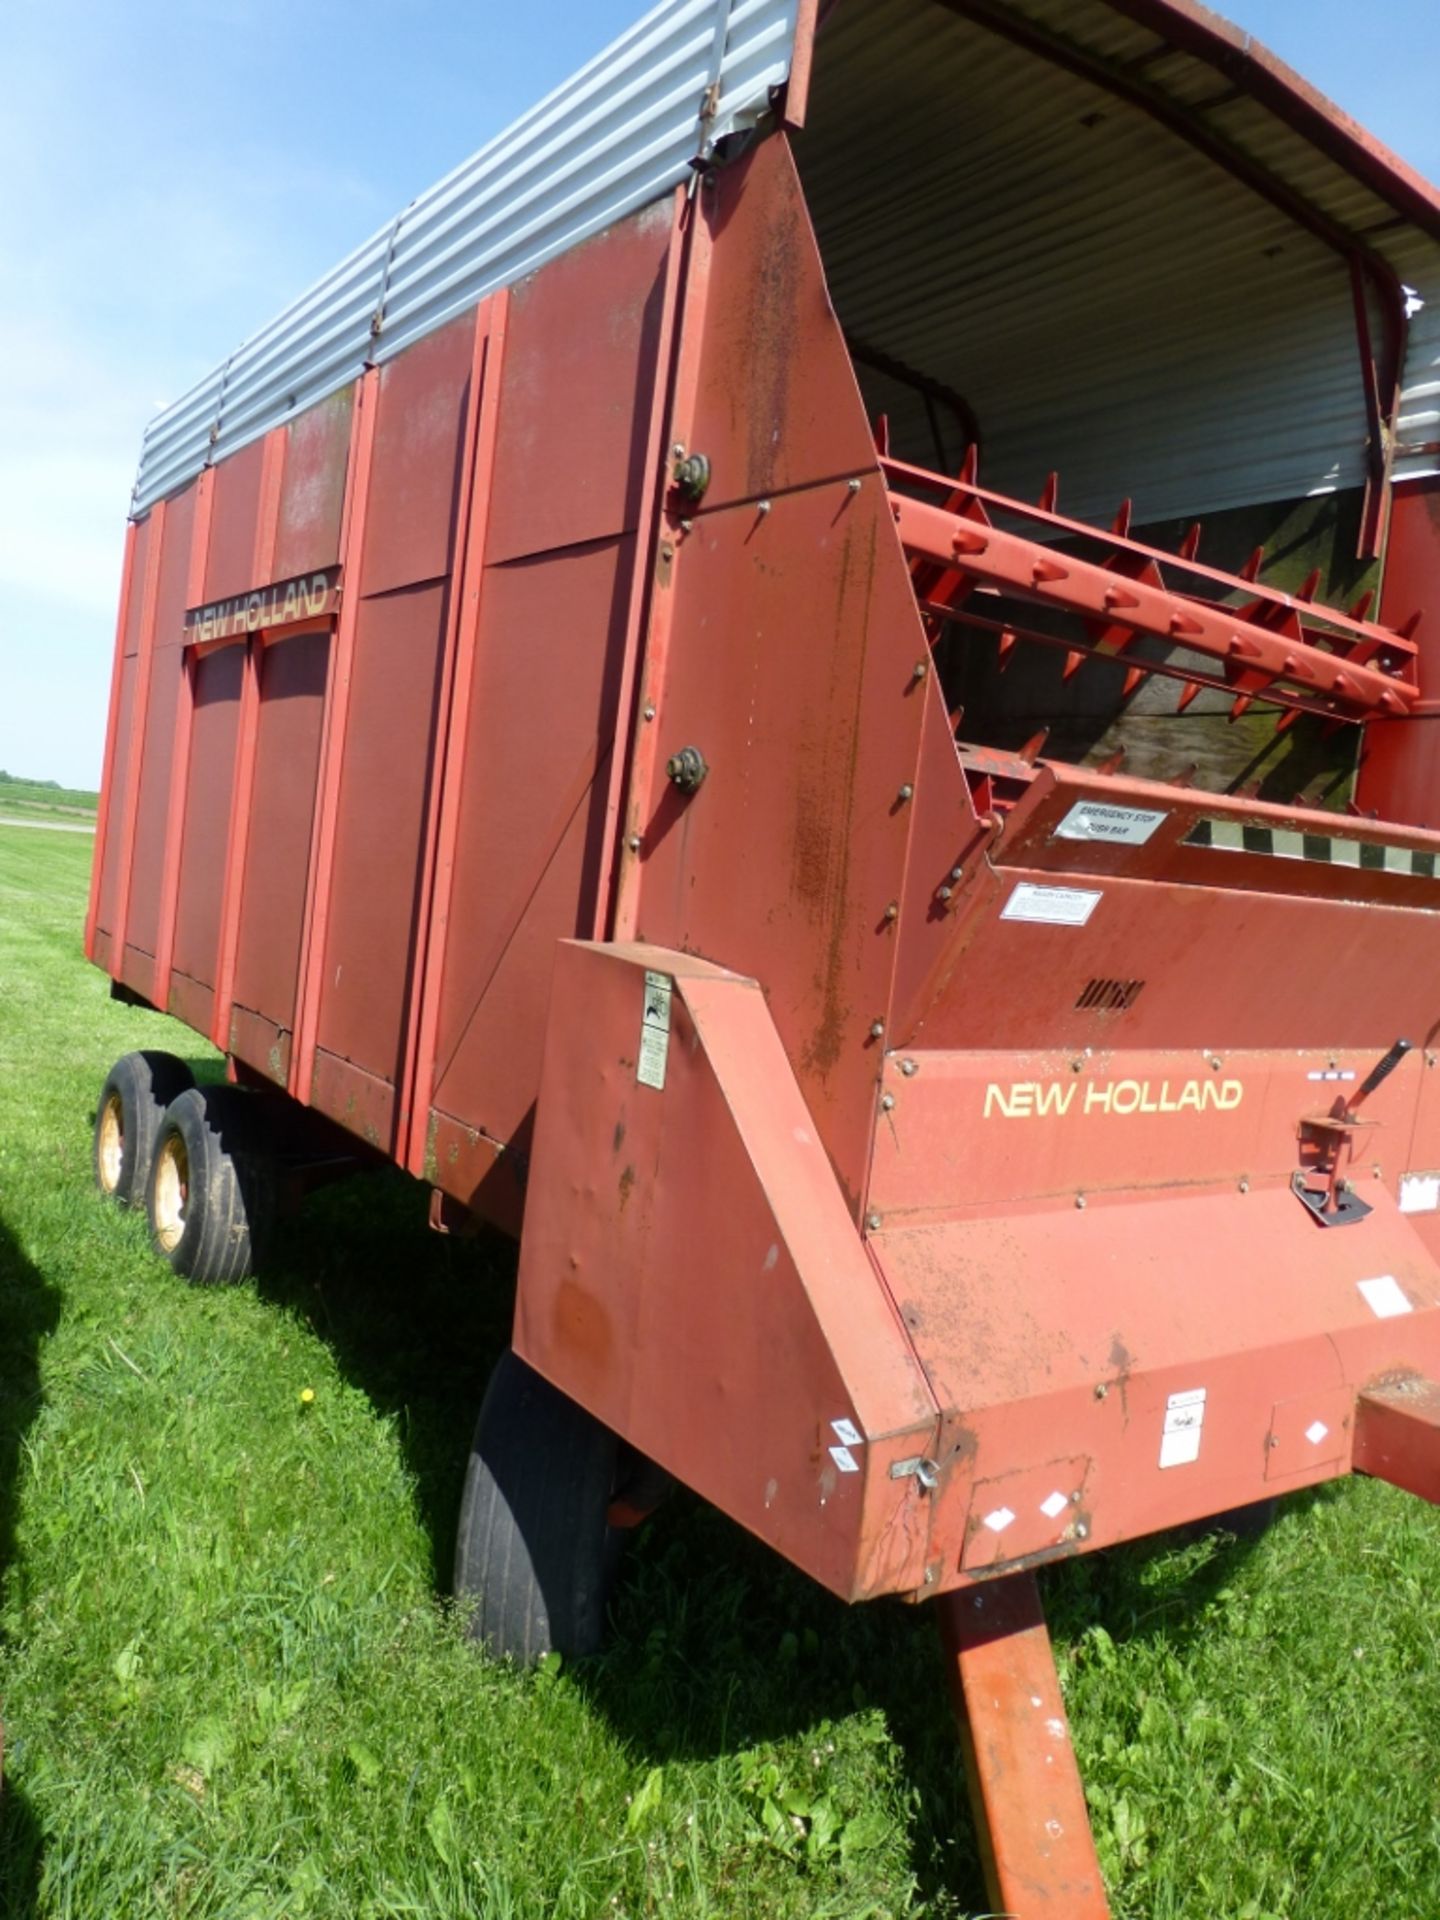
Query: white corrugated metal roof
(621, 133)
(1111, 302)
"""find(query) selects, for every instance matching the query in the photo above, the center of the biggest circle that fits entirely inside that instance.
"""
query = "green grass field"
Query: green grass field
(22, 798)
(232, 1685)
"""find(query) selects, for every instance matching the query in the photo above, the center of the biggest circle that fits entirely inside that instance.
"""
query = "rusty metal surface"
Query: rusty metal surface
(777, 1379)
(230, 565)
(1025, 1787)
(1397, 1434)
(1135, 1335)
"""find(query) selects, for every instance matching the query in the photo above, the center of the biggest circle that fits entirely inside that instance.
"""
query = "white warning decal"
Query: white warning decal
(1420, 1192)
(1384, 1296)
(1051, 906)
(654, 1031)
(844, 1459)
(1115, 826)
(847, 1433)
(1184, 1419)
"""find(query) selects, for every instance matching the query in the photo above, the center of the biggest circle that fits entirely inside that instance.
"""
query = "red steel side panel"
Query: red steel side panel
(776, 403)
(218, 680)
(112, 733)
(582, 342)
(292, 702)
(109, 837)
(409, 519)
(542, 720)
(390, 736)
(786, 647)
(535, 710)
(312, 495)
(403, 547)
(230, 564)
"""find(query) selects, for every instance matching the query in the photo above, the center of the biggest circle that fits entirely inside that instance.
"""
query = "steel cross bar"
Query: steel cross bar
(988, 555)
(1025, 1788)
(1366, 635)
(1397, 1436)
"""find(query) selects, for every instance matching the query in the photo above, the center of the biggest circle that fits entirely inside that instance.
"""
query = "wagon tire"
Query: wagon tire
(211, 1200)
(137, 1090)
(534, 1550)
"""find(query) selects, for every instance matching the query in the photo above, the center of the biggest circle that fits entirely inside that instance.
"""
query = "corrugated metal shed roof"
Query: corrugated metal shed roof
(622, 132)
(1111, 300)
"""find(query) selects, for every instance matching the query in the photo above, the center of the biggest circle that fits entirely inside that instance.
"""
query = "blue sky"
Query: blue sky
(172, 174)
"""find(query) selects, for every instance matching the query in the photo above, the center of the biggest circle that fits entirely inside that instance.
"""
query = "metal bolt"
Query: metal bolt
(909, 1067)
(677, 452)
(762, 506)
(907, 792)
(853, 485)
(877, 1028)
(892, 910)
(633, 843)
(957, 873)
(667, 551)
(1102, 1389)
(921, 668)
(943, 893)
(1082, 1532)
(649, 713)
(1075, 1498)
(1076, 1065)
(872, 1221)
(887, 1101)
(1080, 1201)
(1215, 1064)
(1376, 1172)
(1244, 1186)
(686, 525)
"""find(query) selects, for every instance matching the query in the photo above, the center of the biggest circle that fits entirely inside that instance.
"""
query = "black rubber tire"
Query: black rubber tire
(211, 1198)
(137, 1090)
(534, 1549)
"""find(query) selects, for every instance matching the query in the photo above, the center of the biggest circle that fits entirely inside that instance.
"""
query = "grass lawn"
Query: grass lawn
(232, 1685)
(24, 797)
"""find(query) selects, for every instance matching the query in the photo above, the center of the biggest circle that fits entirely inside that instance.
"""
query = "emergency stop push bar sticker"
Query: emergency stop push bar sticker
(1051, 906)
(654, 1031)
(1112, 826)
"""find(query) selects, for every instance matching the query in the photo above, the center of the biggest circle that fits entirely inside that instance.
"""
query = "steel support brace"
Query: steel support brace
(1397, 1436)
(1025, 1788)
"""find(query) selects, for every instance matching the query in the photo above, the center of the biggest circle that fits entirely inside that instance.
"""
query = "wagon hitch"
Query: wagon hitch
(1319, 1188)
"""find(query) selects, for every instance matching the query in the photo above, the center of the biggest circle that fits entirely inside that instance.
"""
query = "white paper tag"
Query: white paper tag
(1117, 826)
(1184, 1419)
(1419, 1192)
(1051, 906)
(1384, 1296)
(654, 1031)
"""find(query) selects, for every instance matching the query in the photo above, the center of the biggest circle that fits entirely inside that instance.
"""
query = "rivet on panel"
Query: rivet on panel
(762, 506)
(922, 667)
(1244, 1186)
(887, 1101)
(892, 910)
(943, 893)
(907, 1067)
(633, 843)
(853, 485)
(667, 551)
(872, 1221)
(877, 1028)
(1082, 1532)
(1080, 1201)
(907, 792)
(649, 713)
